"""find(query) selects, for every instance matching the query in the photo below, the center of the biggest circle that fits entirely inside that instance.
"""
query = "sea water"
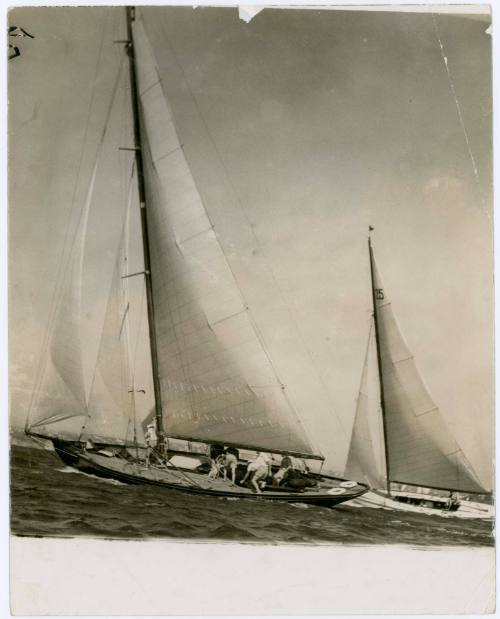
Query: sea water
(51, 499)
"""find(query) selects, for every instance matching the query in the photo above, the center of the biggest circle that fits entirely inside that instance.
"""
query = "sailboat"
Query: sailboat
(400, 443)
(214, 380)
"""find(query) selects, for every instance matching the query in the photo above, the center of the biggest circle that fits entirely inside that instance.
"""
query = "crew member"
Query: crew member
(151, 440)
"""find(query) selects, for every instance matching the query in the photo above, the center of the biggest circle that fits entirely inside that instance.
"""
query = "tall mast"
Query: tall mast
(379, 362)
(139, 162)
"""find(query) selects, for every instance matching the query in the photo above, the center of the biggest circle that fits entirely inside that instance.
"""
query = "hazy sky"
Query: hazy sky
(311, 125)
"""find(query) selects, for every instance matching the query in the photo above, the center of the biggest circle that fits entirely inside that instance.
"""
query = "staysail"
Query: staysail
(218, 382)
(366, 458)
(420, 448)
(109, 407)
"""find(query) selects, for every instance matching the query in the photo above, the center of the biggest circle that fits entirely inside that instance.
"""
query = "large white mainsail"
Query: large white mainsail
(218, 382)
(421, 451)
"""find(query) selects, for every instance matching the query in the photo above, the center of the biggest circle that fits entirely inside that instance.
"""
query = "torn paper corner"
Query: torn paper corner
(248, 11)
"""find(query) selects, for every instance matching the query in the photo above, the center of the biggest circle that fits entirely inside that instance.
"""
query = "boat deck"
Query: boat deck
(133, 472)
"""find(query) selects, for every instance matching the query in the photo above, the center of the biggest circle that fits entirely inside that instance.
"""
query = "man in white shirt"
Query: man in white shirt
(151, 440)
(261, 469)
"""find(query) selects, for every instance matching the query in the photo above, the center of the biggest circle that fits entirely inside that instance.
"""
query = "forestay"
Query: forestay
(217, 379)
(421, 449)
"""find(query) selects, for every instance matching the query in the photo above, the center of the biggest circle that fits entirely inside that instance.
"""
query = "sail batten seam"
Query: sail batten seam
(430, 410)
(193, 236)
(167, 154)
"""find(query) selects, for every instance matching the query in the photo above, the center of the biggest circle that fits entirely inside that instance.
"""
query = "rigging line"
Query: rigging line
(139, 328)
(127, 366)
(181, 472)
(59, 279)
(459, 113)
(41, 442)
(253, 233)
(123, 160)
(64, 264)
(126, 137)
(231, 184)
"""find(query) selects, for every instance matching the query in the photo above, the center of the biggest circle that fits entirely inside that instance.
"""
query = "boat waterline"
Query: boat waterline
(328, 492)
(466, 509)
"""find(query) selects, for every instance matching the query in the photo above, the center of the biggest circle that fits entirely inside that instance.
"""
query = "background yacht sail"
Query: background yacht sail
(366, 458)
(420, 447)
(218, 382)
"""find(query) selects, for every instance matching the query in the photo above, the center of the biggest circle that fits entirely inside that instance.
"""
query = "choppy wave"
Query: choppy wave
(47, 501)
(102, 480)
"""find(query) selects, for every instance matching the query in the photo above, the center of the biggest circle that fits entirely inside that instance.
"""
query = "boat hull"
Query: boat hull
(112, 467)
(466, 509)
